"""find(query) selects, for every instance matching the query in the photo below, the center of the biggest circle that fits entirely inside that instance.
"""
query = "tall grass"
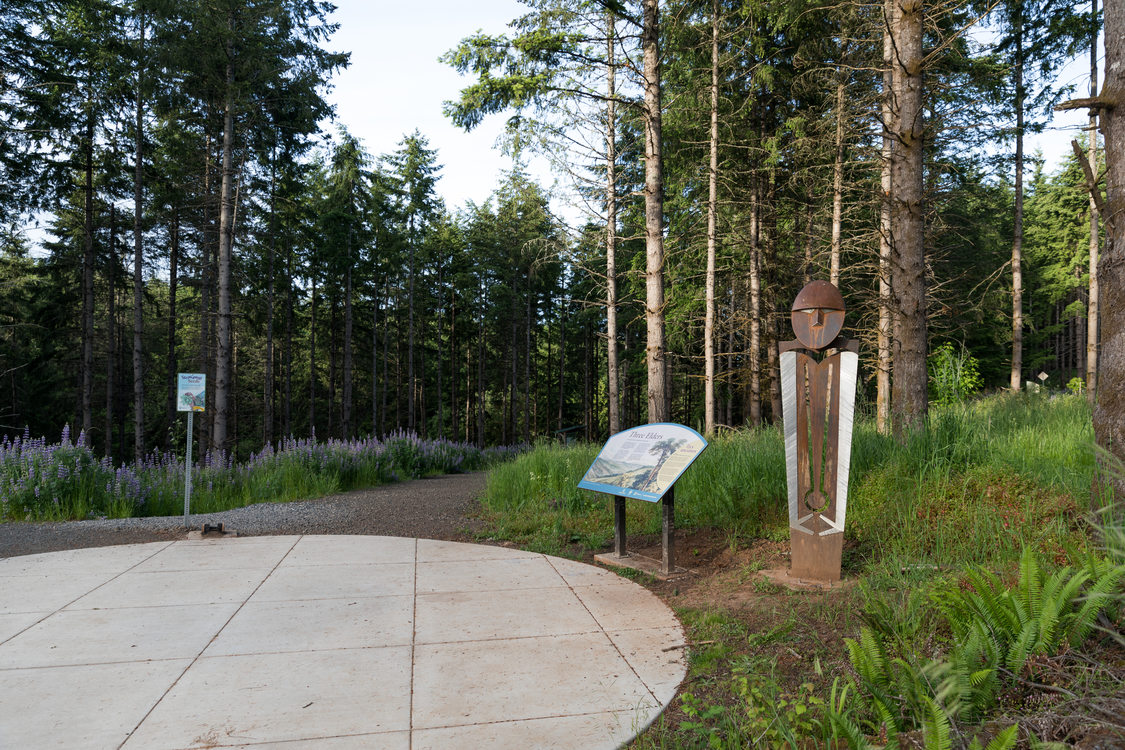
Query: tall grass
(64, 480)
(981, 480)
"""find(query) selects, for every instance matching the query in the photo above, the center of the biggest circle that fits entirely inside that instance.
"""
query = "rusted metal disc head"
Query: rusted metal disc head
(818, 314)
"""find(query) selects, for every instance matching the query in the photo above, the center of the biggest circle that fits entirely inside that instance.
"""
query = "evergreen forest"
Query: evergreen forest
(204, 212)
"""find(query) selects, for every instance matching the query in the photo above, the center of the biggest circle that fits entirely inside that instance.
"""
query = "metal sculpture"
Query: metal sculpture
(818, 382)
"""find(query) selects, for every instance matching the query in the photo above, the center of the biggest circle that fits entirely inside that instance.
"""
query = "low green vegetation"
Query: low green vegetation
(988, 610)
(982, 481)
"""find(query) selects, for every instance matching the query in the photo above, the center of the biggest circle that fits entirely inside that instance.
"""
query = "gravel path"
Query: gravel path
(435, 508)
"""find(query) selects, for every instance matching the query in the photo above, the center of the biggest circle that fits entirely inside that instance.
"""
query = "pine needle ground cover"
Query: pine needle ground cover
(984, 605)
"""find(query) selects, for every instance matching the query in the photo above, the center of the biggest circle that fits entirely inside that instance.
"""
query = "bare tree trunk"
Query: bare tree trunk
(712, 239)
(375, 429)
(656, 350)
(267, 376)
(440, 364)
(884, 333)
(480, 365)
(333, 333)
(138, 263)
(86, 396)
(173, 286)
(287, 356)
(1017, 224)
(346, 420)
(410, 422)
(755, 311)
(907, 238)
(838, 182)
(1109, 403)
(526, 433)
(562, 361)
(223, 370)
(612, 386)
(1092, 306)
(111, 330)
(207, 282)
(312, 354)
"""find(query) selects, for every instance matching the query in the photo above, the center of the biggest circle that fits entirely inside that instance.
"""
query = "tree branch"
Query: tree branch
(1091, 181)
(1090, 102)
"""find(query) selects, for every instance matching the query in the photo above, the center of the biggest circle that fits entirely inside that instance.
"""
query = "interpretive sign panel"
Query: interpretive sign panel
(191, 391)
(644, 462)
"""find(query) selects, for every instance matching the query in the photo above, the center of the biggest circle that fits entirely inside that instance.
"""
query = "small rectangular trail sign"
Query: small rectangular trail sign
(191, 392)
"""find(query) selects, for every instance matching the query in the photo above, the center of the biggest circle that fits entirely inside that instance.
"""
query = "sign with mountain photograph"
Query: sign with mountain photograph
(643, 462)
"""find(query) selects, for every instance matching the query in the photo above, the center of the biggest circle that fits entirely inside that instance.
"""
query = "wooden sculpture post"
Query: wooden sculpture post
(818, 382)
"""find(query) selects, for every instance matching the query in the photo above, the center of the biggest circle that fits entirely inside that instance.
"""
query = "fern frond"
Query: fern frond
(1097, 597)
(935, 728)
(1005, 740)
(1031, 581)
(1022, 647)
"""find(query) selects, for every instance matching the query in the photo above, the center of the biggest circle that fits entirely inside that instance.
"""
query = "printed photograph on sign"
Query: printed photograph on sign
(643, 462)
(191, 392)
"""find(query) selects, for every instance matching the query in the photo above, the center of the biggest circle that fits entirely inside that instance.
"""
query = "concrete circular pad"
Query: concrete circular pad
(332, 642)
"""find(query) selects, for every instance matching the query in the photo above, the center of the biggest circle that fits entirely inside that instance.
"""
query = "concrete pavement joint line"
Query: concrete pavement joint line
(500, 722)
(413, 640)
(605, 633)
(209, 642)
(72, 601)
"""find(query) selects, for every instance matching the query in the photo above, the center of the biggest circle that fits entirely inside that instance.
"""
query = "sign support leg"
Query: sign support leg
(187, 470)
(668, 508)
(619, 525)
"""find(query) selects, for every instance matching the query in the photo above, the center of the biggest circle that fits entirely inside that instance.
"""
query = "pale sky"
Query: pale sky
(396, 84)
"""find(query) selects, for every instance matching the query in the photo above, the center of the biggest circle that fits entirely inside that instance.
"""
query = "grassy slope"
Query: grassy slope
(983, 481)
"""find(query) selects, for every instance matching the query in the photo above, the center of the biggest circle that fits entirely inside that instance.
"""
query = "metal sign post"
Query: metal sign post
(191, 397)
(187, 470)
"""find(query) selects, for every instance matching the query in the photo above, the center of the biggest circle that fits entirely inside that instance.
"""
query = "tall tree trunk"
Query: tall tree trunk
(375, 427)
(1017, 222)
(562, 363)
(1092, 306)
(838, 180)
(348, 353)
(207, 283)
(480, 364)
(312, 354)
(907, 237)
(287, 355)
(526, 433)
(755, 311)
(111, 339)
(87, 389)
(884, 333)
(173, 287)
(440, 366)
(656, 350)
(138, 261)
(223, 371)
(410, 421)
(333, 333)
(612, 369)
(267, 376)
(712, 233)
(1109, 404)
